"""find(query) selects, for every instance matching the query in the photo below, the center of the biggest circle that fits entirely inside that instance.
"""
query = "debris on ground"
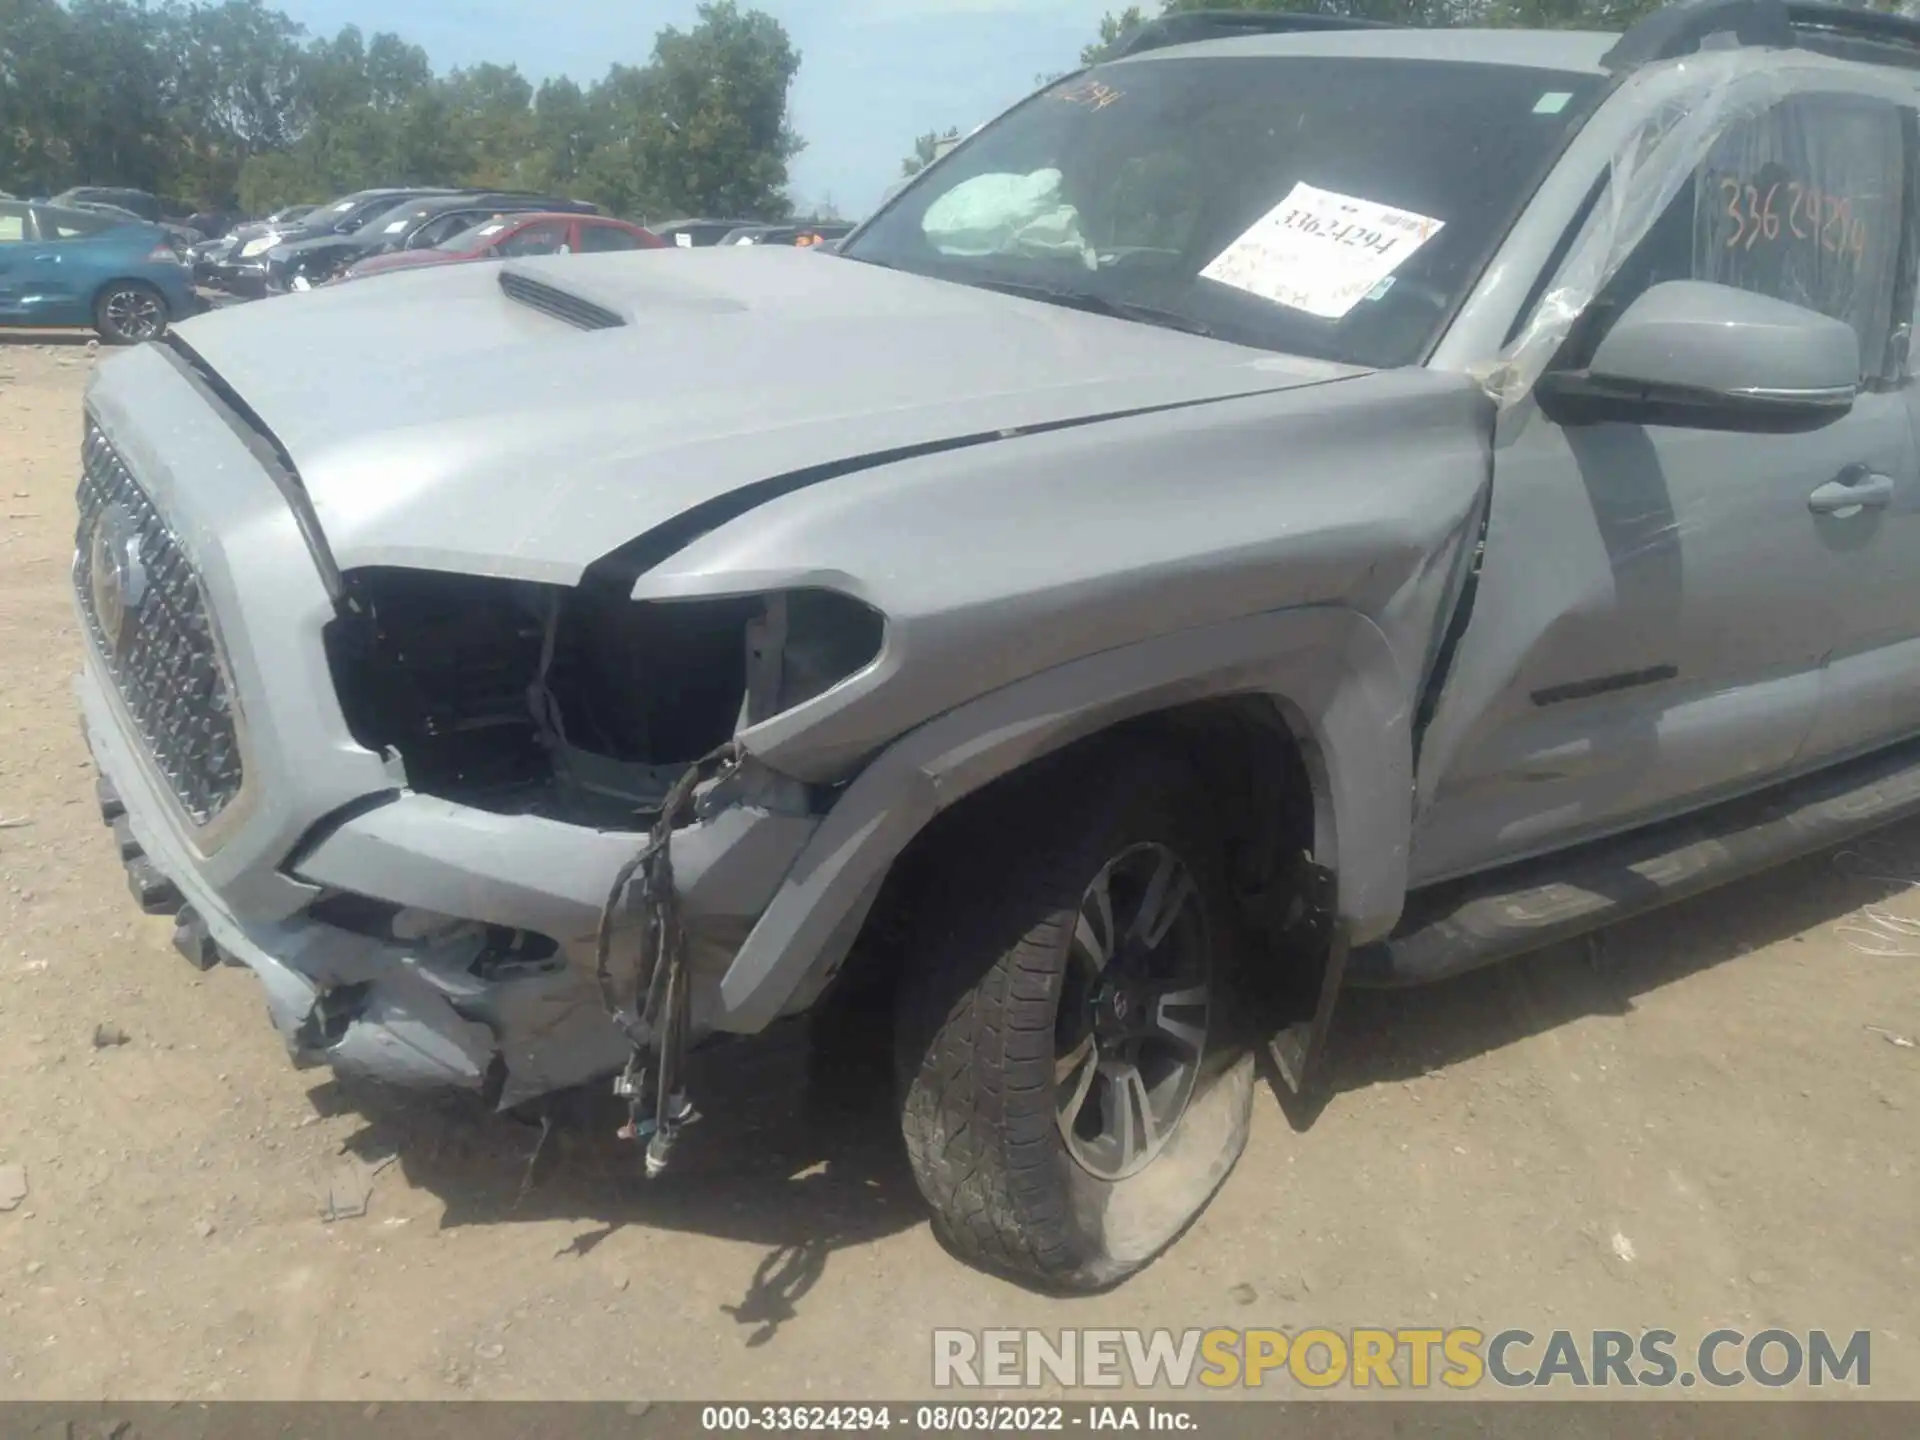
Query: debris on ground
(16, 822)
(13, 1186)
(1622, 1246)
(350, 1187)
(204, 1229)
(1894, 1037)
(109, 1037)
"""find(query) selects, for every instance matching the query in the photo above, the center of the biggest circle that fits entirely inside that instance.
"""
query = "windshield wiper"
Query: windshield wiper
(1100, 305)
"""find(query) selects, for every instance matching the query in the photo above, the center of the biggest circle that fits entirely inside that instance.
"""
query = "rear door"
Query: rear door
(1657, 605)
(1871, 698)
(544, 237)
(599, 237)
(443, 228)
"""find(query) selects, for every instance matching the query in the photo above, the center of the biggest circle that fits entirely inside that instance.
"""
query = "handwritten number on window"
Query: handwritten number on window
(1811, 215)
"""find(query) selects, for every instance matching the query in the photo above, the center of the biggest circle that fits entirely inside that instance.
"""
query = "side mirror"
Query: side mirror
(1711, 357)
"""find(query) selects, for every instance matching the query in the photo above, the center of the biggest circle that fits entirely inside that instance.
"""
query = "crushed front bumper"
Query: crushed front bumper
(323, 834)
(432, 1011)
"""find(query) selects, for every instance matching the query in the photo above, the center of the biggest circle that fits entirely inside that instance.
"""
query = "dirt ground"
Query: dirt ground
(1706, 1120)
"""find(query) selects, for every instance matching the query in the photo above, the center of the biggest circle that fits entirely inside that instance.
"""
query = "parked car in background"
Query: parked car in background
(141, 203)
(801, 236)
(212, 224)
(184, 237)
(66, 267)
(511, 236)
(209, 254)
(279, 220)
(693, 233)
(241, 269)
(412, 225)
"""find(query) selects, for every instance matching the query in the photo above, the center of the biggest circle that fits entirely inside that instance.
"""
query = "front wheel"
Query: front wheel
(128, 312)
(1075, 1086)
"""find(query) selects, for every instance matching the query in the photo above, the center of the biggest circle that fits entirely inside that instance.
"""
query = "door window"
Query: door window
(13, 223)
(435, 232)
(546, 238)
(598, 238)
(1804, 203)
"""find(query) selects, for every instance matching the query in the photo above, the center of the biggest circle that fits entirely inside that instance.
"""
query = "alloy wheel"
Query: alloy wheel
(1135, 1005)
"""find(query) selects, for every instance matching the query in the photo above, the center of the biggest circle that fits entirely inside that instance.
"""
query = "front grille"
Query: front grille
(156, 637)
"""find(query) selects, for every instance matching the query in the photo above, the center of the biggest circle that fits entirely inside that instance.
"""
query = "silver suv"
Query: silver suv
(1284, 509)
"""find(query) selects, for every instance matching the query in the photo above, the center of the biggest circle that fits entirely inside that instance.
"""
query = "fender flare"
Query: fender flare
(1329, 670)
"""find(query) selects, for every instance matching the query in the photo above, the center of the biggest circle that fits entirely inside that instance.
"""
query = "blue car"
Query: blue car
(61, 267)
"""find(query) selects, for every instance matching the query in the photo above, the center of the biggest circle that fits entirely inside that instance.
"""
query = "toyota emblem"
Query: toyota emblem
(117, 574)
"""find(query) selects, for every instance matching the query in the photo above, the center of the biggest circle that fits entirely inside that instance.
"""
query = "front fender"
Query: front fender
(1329, 669)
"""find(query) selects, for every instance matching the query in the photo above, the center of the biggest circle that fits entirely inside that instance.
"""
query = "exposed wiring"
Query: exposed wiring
(656, 1021)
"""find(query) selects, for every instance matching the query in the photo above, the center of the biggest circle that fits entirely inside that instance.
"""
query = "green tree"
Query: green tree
(563, 133)
(36, 122)
(214, 101)
(492, 109)
(1112, 28)
(925, 148)
(714, 136)
(235, 73)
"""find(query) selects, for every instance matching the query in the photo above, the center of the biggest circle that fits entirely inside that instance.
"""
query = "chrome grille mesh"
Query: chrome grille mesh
(157, 639)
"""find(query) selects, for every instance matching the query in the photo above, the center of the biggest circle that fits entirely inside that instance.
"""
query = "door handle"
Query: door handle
(1856, 489)
(46, 259)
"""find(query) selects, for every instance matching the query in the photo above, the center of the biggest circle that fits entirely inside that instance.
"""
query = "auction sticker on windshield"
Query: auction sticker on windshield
(1320, 251)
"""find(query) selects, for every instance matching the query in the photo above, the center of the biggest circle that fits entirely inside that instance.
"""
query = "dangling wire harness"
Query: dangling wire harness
(655, 1021)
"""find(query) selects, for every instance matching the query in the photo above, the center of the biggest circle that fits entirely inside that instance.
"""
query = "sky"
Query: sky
(873, 73)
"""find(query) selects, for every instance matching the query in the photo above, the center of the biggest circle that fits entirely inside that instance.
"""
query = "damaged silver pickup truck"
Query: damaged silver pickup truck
(1280, 510)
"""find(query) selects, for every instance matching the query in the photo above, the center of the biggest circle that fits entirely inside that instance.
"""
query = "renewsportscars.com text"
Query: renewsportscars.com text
(1459, 1358)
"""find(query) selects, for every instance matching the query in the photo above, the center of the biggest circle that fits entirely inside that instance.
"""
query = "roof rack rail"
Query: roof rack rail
(1876, 36)
(1189, 26)
(1689, 26)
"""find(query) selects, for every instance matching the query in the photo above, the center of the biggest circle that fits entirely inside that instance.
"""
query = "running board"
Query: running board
(1463, 925)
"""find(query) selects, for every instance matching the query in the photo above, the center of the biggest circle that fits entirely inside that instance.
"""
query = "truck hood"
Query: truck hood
(436, 421)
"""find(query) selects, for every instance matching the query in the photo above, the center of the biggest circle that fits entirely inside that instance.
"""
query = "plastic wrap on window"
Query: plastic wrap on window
(1694, 131)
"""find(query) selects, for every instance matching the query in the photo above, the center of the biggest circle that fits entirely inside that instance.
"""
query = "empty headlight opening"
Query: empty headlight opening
(578, 704)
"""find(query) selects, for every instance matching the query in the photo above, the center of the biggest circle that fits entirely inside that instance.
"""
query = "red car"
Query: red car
(506, 236)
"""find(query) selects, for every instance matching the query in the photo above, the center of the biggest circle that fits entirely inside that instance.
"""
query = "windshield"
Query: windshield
(1338, 208)
(478, 238)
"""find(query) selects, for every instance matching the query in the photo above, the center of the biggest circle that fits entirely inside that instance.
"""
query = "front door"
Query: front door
(1657, 604)
(13, 257)
(63, 264)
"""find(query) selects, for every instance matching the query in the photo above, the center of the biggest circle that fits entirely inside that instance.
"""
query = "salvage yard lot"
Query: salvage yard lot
(1706, 1120)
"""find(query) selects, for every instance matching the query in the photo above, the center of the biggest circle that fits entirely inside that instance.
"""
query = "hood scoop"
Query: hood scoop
(570, 306)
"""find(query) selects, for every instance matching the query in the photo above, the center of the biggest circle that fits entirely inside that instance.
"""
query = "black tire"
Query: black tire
(128, 312)
(989, 996)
